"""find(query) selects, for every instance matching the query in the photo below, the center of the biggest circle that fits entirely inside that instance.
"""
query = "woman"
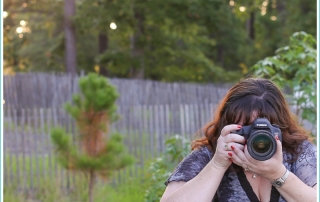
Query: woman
(220, 167)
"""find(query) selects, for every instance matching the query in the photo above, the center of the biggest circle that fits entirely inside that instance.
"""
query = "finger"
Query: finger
(227, 129)
(230, 146)
(236, 159)
(232, 137)
(247, 155)
(279, 148)
(241, 156)
(279, 145)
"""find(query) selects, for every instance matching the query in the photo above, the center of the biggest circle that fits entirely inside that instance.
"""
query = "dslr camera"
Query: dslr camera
(260, 136)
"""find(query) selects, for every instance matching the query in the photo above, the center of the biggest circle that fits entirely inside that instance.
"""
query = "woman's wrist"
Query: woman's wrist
(277, 174)
(218, 166)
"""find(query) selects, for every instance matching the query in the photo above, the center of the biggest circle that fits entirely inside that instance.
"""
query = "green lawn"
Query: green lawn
(47, 188)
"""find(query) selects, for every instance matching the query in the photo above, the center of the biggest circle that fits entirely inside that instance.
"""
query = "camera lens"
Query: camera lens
(261, 144)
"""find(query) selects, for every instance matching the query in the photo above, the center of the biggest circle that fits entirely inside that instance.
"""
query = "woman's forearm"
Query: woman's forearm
(295, 190)
(201, 188)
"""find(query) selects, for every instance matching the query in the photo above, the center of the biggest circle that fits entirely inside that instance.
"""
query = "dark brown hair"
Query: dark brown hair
(260, 96)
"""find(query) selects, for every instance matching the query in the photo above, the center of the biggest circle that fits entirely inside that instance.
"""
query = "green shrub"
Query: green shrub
(177, 147)
(293, 69)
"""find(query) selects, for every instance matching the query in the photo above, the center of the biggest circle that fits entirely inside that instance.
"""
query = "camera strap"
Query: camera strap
(274, 196)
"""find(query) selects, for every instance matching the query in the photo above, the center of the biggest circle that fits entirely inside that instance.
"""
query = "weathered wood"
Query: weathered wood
(50, 156)
(17, 141)
(36, 144)
(24, 146)
(43, 90)
(31, 151)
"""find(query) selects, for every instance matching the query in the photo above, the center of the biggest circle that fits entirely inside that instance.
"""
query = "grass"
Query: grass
(47, 181)
(132, 190)
(47, 188)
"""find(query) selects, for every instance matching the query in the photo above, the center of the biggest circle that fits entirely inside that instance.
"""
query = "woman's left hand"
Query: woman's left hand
(270, 169)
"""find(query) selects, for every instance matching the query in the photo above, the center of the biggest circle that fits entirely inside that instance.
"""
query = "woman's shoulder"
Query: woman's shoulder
(191, 165)
(305, 158)
(307, 152)
(306, 149)
(203, 150)
(305, 166)
(306, 145)
(200, 155)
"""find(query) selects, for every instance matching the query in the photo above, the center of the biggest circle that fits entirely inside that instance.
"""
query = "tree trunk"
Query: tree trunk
(250, 26)
(91, 184)
(281, 8)
(137, 68)
(220, 54)
(70, 37)
(103, 46)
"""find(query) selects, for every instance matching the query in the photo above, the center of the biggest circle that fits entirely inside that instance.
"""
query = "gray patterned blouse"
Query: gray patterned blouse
(230, 190)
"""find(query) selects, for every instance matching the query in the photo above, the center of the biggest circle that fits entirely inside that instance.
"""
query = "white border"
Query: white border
(1, 101)
(317, 91)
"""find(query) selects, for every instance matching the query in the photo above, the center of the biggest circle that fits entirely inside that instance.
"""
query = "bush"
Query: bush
(293, 69)
(177, 147)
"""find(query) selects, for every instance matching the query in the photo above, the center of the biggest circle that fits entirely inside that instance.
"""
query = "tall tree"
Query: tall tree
(103, 47)
(181, 40)
(70, 36)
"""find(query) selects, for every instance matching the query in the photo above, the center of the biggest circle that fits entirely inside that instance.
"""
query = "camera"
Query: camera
(260, 136)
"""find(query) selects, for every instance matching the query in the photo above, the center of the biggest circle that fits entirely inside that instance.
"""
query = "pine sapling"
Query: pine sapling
(94, 152)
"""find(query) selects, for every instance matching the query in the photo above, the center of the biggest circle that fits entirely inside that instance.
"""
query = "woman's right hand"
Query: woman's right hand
(222, 158)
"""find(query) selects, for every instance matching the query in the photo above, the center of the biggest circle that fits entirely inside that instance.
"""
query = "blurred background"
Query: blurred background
(180, 40)
(171, 63)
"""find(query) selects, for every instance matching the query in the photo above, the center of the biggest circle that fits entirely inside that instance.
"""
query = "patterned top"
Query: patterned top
(230, 189)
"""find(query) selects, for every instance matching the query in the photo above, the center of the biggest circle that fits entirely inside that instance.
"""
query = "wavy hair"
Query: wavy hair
(262, 97)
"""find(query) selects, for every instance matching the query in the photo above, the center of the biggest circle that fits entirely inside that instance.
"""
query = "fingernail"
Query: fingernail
(232, 147)
(239, 126)
(277, 138)
(231, 160)
(230, 154)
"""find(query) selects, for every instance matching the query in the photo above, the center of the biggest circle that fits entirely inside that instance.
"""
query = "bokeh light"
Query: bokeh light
(242, 8)
(113, 25)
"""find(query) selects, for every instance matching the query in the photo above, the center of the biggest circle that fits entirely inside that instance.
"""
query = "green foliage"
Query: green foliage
(294, 68)
(177, 147)
(97, 95)
(114, 159)
(188, 40)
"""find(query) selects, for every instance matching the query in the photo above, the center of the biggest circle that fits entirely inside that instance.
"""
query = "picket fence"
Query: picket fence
(43, 90)
(29, 155)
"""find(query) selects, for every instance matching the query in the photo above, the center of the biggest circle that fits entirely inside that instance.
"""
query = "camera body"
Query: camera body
(260, 136)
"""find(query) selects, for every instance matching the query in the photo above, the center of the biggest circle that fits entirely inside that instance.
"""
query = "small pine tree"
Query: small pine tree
(93, 153)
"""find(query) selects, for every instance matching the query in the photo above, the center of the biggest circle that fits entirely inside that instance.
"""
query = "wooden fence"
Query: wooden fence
(29, 155)
(42, 90)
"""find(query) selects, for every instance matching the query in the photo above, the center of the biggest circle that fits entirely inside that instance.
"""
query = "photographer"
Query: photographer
(253, 150)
